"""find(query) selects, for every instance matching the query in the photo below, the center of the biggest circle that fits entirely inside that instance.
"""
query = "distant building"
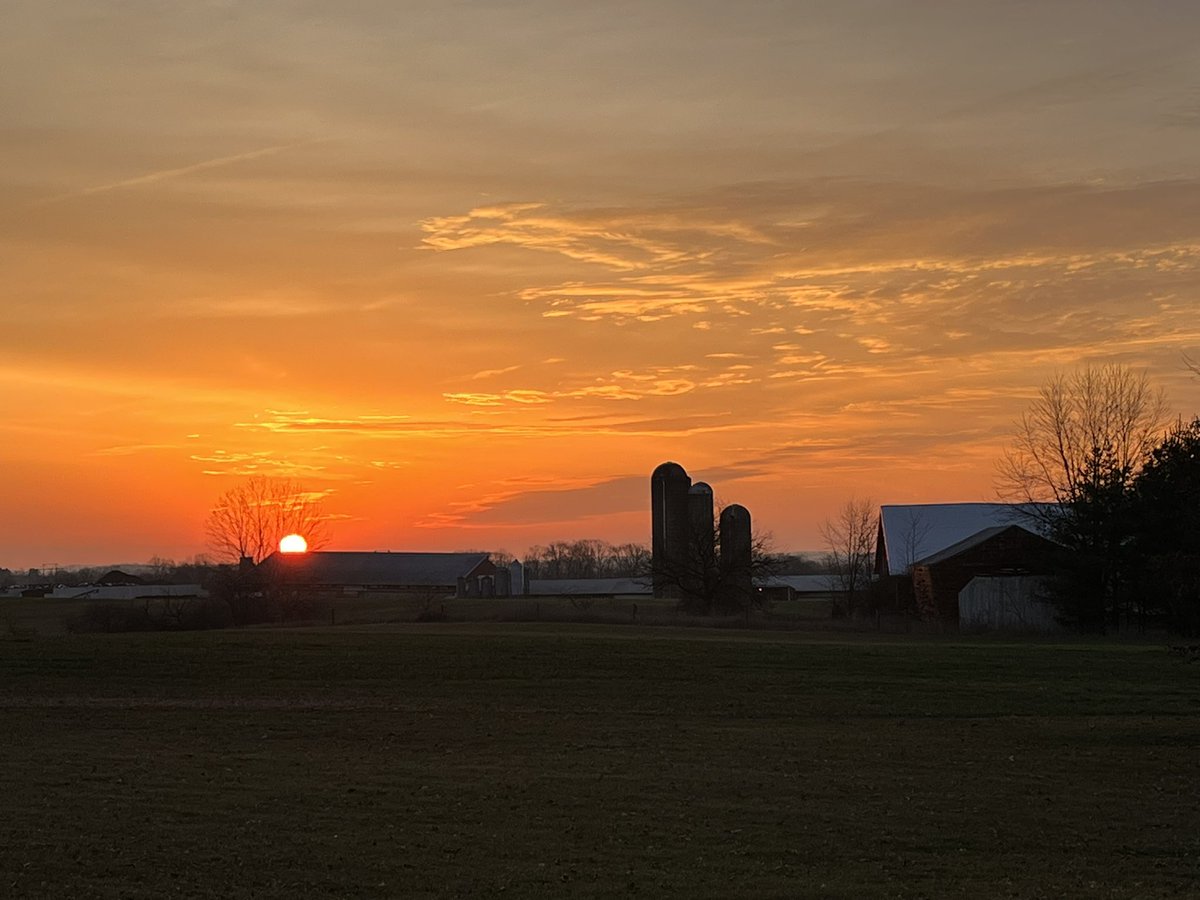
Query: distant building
(458, 574)
(781, 588)
(616, 588)
(139, 591)
(116, 577)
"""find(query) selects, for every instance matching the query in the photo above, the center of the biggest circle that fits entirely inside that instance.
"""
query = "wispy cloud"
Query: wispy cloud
(168, 174)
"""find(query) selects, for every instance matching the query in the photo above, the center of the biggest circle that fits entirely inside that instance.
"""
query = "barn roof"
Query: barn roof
(582, 587)
(914, 532)
(966, 544)
(116, 576)
(383, 568)
(801, 584)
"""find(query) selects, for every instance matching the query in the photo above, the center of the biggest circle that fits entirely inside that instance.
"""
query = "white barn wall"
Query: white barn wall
(1006, 603)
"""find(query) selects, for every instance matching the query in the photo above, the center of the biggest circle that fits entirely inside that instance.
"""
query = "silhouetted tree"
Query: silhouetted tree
(1166, 530)
(849, 537)
(585, 559)
(249, 519)
(1082, 429)
(707, 580)
(1076, 450)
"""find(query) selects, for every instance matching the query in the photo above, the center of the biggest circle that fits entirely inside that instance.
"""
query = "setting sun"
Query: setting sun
(293, 543)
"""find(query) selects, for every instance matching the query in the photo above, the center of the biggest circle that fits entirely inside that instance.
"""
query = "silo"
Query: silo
(700, 508)
(736, 555)
(702, 547)
(670, 527)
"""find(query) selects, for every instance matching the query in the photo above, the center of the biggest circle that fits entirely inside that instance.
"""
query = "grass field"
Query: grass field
(559, 760)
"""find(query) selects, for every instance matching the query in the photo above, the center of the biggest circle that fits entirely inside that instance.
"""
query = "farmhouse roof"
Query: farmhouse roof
(382, 568)
(912, 533)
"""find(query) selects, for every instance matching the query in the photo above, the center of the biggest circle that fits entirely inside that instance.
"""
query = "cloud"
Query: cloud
(168, 174)
(851, 270)
(610, 496)
(403, 427)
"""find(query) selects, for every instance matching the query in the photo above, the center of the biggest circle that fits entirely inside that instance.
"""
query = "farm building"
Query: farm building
(925, 554)
(1001, 551)
(617, 588)
(459, 574)
(774, 587)
(796, 587)
(139, 591)
(1006, 603)
(912, 532)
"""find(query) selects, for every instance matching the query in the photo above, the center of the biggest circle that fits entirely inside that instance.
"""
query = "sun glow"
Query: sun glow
(293, 543)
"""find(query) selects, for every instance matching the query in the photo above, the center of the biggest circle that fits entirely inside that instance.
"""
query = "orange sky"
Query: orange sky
(472, 269)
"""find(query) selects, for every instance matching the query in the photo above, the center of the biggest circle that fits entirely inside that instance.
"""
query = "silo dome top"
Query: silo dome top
(670, 471)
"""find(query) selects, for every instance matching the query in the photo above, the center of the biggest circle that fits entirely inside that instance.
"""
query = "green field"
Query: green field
(446, 759)
(23, 617)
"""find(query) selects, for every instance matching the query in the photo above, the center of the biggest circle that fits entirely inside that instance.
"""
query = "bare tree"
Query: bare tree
(628, 560)
(850, 549)
(1078, 449)
(585, 559)
(708, 581)
(248, 520)
(1082, 427)
(915, 530)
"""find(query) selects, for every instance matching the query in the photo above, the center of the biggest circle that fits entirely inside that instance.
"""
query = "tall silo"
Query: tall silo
(702, 548)
(736, 552)
(670, 527)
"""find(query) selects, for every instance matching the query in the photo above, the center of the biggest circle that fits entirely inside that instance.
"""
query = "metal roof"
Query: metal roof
(913, 533)
(380, 568)
(579, 587)
(801, 584)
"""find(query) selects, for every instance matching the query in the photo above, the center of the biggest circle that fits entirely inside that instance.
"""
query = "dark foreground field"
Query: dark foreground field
(558, 760)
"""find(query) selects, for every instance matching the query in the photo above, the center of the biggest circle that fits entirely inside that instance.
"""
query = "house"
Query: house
(458, 574)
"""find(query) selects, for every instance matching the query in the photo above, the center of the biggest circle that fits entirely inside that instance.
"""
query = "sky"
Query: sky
(471, 269)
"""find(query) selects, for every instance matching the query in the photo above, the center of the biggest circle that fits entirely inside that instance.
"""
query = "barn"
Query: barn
(926, 554)
(912, 532)
(458, 574)
(1003, 551)
(615, 588)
